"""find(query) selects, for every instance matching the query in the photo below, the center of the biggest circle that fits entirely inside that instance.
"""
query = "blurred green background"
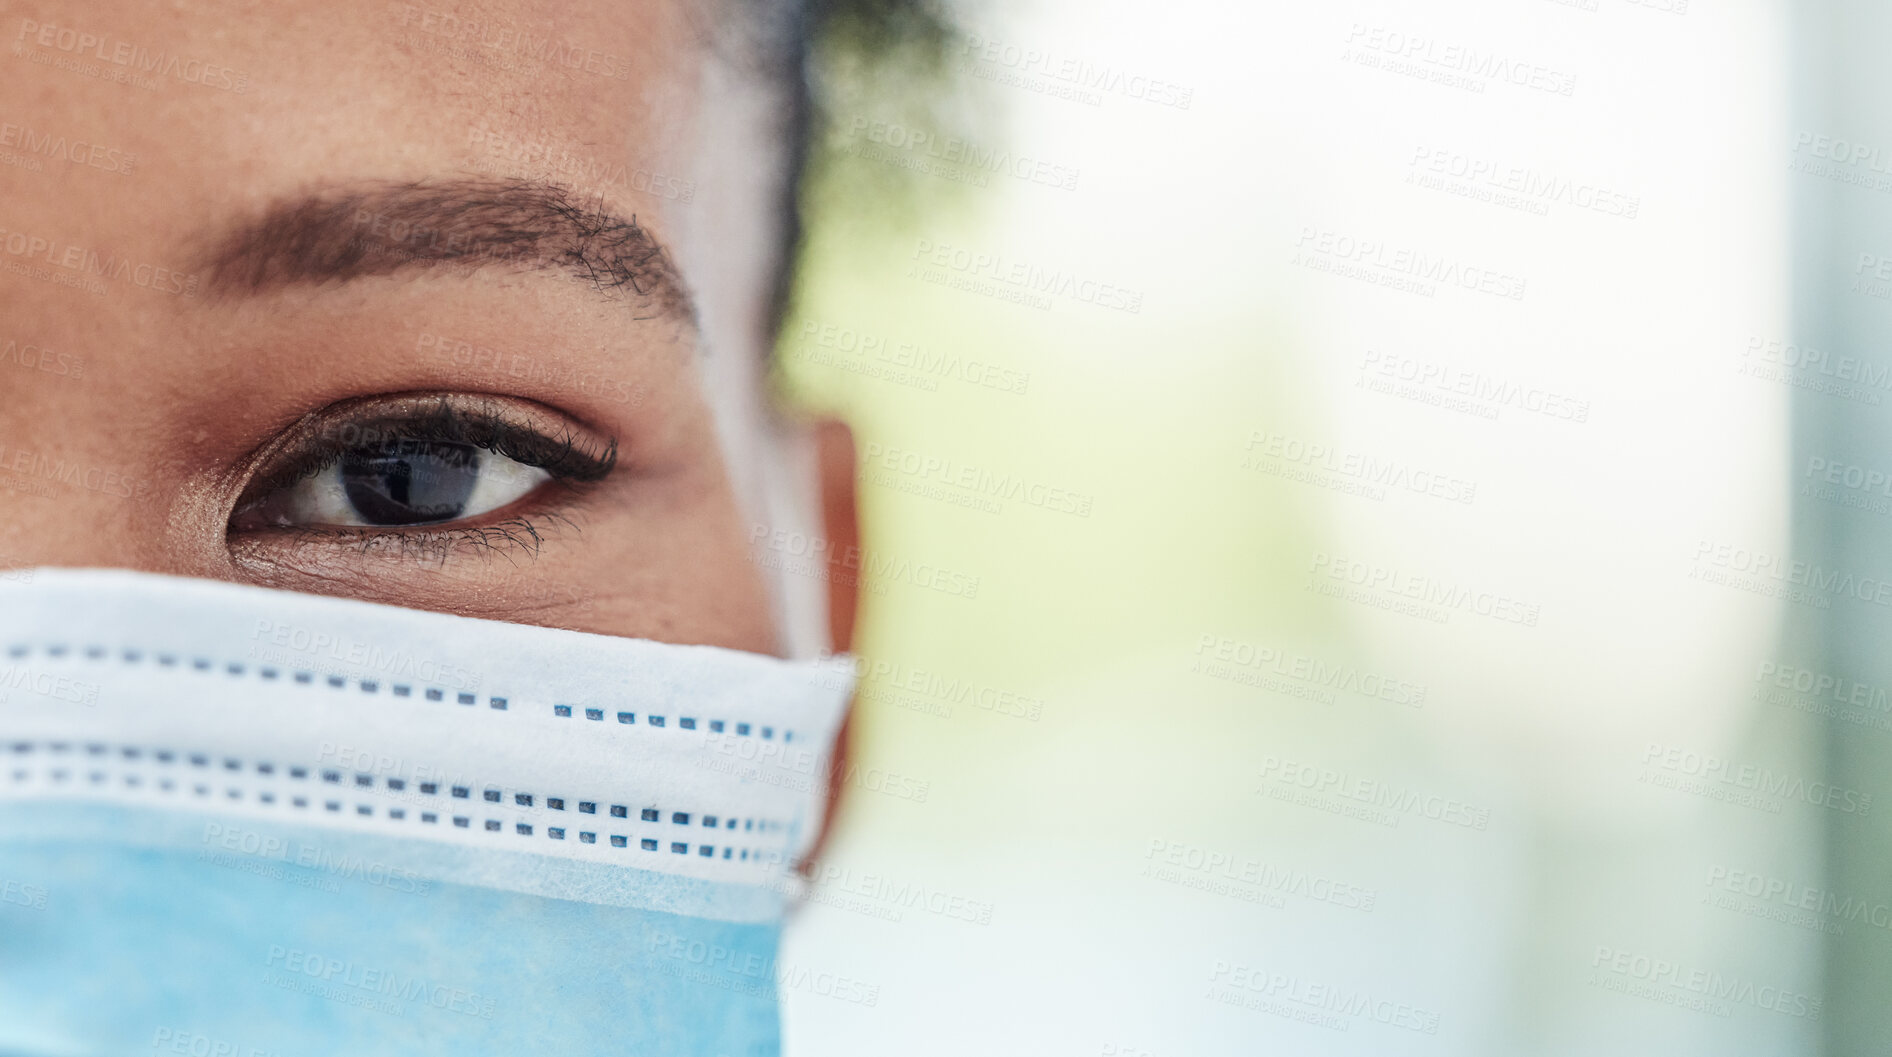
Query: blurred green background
(1212, 788)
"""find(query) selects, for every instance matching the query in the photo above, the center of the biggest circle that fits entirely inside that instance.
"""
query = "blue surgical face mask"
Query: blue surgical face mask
(241, 822)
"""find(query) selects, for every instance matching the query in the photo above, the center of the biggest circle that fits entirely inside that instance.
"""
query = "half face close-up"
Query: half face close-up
(385, 441)
(421, 315)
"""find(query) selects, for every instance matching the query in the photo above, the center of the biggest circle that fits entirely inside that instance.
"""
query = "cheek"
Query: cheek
(680, 567)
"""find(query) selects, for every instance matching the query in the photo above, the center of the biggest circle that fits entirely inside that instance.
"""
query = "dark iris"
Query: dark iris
(408, 482)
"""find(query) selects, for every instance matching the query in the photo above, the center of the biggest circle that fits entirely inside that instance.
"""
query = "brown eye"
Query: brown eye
(397, 482)
(416, 461)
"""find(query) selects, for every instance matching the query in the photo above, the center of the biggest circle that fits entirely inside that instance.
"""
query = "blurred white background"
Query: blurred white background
(1379, 687)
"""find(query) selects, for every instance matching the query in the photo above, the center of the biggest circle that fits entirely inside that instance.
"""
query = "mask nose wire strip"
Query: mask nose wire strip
(694, 751)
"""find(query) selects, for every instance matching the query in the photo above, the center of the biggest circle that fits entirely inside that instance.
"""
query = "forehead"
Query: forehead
(242, 101)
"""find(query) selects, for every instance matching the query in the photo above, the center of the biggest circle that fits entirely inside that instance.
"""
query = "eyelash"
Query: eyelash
(568, 459)
(521, 534)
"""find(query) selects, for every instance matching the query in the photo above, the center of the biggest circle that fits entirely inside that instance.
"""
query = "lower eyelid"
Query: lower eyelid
(517, 535)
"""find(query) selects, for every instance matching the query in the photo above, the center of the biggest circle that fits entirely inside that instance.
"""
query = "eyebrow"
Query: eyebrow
(353, 232)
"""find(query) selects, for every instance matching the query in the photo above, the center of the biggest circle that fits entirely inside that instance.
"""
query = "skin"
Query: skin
(177, 398)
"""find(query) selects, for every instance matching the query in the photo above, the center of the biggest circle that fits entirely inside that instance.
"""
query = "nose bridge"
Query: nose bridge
(78, 488)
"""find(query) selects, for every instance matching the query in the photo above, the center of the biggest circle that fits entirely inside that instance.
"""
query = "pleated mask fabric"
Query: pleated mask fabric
(239, 821)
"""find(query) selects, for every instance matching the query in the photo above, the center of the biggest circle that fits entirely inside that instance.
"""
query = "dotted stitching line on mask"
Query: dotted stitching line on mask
(238, 669)
(333, 776)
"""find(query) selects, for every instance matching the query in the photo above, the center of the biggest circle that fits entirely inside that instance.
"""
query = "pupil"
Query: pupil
(410, 482)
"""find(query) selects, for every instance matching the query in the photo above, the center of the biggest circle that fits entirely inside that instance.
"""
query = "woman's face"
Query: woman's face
(284, 299)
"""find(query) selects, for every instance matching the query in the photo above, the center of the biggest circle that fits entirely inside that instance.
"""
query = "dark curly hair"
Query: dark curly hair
(899, 43)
